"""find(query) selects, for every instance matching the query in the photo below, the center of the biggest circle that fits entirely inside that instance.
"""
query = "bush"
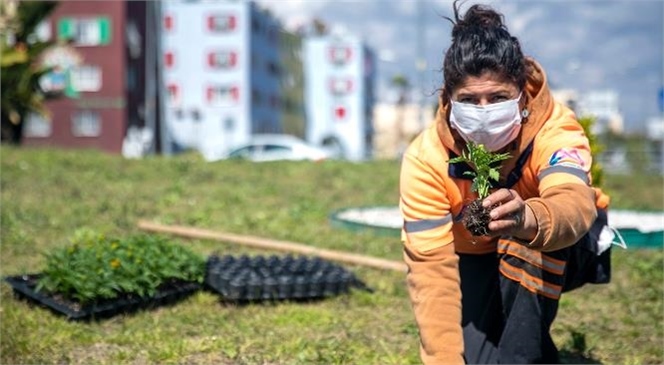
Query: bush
(94, 267)
(596, 147)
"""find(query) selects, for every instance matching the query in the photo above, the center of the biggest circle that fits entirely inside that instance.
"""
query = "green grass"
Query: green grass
(636, 192)
(48, 194)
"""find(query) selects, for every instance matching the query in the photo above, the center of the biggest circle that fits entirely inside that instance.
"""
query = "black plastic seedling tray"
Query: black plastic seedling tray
(24, 288)
(260, 278)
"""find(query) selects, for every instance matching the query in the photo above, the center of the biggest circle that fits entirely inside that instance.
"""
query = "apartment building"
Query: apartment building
(104, 71)
(339, 72)
(221, 71)
(143, 77)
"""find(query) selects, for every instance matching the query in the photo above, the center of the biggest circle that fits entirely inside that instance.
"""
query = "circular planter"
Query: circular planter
(381, 220)
(638, 229)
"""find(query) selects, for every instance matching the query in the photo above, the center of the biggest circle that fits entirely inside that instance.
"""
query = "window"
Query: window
(340, 113)
(131, 78)
(228, 124)
(341, 86)
(277, 148)
(169, 59)
(244, 152)
(340, 55)
(223, 95)
(222, 59)
(86, 78)
(173, 94)
(86, 123)
(256, 97)
(85, 31)
(36, 125)
(196, 115)
(273, 68)
(169, 22)
(255, 61)
(53, 82)
(221, 23)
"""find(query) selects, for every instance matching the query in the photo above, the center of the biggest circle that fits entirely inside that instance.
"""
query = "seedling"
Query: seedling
(94, 267)
(484, 163)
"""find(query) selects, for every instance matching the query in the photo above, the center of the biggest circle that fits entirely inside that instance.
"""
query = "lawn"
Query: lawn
(48, 194)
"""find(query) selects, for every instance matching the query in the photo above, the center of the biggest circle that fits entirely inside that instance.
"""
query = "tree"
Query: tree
(596, 148)
(401, 83)
(19, 70)
(319, 27)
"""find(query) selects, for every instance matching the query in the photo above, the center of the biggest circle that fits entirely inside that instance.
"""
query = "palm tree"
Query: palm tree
(19, 72)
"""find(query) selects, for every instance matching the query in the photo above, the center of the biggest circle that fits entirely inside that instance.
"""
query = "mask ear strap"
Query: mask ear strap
(621, 242)
(607, 237)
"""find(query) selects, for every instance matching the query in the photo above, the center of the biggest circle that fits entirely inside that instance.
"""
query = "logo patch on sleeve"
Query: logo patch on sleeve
(567, 157)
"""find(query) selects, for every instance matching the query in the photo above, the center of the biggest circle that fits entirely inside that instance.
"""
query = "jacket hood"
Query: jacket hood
(539, 103)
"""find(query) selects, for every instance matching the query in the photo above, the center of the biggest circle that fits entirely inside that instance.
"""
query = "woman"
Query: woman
(492, 299)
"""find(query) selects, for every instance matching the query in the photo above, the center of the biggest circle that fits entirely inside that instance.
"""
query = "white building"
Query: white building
(395, 127)
(568, 97)
(605, 106)
(339, 78)
(220, 69)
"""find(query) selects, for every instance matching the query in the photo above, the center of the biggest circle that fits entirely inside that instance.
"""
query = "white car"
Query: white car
(276, 147)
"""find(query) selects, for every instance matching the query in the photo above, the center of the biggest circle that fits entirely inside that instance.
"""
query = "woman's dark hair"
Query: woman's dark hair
(481, 42)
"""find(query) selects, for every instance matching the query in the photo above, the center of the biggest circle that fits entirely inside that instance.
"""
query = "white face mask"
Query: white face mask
(493, 125)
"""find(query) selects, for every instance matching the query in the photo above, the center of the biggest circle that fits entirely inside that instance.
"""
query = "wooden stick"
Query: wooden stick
(270, 244)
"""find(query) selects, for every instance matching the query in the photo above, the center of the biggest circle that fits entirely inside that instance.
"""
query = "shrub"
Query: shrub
(94, 267)
(596, 148)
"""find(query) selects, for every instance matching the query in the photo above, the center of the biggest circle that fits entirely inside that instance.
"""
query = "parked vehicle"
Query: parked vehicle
(275, 147)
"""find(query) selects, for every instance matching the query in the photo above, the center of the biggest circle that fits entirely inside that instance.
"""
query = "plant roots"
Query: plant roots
(476, 218)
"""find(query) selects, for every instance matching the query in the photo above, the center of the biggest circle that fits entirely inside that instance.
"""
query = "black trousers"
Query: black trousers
(510, 300)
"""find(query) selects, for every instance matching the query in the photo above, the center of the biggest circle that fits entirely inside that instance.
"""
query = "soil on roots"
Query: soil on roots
(476, 218)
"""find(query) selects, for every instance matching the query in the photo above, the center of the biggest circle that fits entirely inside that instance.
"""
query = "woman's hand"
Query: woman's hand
(511, 215)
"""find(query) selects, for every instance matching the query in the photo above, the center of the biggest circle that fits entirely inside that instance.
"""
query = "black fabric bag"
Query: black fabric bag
(584, 264)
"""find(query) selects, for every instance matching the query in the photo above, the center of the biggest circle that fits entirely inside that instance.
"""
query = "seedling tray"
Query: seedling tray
(24, 288)
(274, 278)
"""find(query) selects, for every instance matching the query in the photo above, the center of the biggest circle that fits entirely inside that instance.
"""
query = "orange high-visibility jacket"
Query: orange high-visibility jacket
(554, 182)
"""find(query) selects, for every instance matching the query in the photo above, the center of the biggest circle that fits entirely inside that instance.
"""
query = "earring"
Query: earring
(525, 113)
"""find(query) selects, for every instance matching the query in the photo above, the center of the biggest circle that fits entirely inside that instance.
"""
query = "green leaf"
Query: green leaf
(88, 268)
(481, 160)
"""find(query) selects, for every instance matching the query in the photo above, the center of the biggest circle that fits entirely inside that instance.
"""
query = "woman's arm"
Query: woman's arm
(564, 214)
(433, 272)
(435, 294)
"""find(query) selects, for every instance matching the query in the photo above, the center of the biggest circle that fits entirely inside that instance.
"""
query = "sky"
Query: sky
(583, 44)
